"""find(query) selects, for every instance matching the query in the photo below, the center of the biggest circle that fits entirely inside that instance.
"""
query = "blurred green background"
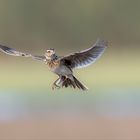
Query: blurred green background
(30, 109)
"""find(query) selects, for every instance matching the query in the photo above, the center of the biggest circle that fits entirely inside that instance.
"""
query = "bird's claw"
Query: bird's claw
(54, 86)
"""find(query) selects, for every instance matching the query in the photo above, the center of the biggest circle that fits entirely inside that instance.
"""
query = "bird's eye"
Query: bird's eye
(48, 51)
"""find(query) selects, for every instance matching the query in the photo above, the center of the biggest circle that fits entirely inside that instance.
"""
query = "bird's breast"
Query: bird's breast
(53, 65)
(58, 68)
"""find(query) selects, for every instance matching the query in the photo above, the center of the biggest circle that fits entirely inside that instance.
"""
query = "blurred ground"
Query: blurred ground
(66, 127)
(98, 114)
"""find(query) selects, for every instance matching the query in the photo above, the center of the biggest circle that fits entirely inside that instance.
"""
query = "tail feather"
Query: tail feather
(72, 82)
(79, 84)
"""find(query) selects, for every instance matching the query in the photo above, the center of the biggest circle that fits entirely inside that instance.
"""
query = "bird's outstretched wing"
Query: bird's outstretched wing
(39, 58)
(13, 52)
(86, 57)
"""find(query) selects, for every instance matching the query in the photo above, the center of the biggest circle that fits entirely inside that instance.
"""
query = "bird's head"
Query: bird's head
(50, 53)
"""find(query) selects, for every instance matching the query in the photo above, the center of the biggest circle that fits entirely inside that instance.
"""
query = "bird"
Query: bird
(63, 66)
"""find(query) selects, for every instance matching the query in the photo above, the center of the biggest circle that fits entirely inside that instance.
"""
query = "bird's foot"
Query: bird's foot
(54, 86)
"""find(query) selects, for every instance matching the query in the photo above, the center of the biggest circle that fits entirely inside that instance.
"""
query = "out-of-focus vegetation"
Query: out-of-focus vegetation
(35, 24)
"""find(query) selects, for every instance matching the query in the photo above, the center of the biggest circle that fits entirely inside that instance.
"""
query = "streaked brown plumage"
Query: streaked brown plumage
(63, 66)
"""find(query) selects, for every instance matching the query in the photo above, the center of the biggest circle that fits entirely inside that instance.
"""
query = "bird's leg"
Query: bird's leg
(64, 78)
(55, 84)
(59, 82)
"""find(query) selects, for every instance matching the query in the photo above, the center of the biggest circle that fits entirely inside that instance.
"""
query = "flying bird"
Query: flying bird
(63, 65)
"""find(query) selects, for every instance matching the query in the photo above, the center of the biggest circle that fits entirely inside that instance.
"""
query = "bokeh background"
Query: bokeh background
(110, 109)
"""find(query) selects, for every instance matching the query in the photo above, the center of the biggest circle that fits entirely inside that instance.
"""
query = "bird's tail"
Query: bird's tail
(72, 82)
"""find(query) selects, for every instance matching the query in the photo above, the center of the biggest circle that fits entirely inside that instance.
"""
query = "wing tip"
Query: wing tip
(11, 51)
(101, 42)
